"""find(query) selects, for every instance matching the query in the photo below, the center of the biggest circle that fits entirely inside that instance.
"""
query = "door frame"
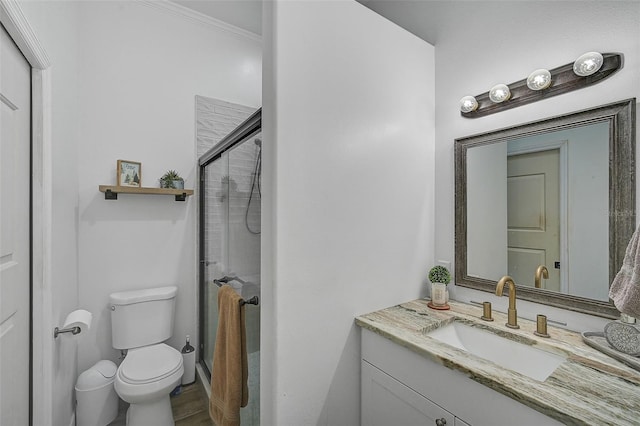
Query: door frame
(42, 344)
(562, 146)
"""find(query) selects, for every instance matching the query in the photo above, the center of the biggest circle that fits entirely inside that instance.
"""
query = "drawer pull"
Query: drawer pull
(441, 422)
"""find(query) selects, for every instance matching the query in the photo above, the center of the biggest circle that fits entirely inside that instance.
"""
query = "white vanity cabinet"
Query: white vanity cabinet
(402, 388)
(386, 401)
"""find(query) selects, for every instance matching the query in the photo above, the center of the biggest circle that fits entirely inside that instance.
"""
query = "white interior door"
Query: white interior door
(15, 173)
(533, 216)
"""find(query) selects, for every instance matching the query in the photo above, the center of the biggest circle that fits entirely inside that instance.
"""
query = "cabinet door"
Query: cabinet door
(461, 422)
(386, 401)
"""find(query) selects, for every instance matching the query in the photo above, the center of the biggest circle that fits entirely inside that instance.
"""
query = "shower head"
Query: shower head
(258, 142)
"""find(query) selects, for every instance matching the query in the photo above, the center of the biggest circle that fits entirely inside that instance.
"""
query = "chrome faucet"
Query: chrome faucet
(541, 272)
(512, 317)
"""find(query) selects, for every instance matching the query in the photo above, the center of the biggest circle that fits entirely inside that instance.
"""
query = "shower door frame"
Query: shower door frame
(245, 130)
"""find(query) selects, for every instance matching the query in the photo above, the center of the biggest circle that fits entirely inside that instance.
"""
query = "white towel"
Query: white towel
(625, 288)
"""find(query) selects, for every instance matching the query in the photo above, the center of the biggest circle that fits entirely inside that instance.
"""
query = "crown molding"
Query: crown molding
(16, 24)
(199, 18)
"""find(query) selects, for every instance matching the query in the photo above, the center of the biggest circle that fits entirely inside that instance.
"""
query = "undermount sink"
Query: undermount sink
(522, 358)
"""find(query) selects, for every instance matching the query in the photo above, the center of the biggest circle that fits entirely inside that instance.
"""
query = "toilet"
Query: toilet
(140, 321)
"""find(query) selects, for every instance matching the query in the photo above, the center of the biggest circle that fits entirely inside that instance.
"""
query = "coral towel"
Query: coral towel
(625, 289)
(229, 389)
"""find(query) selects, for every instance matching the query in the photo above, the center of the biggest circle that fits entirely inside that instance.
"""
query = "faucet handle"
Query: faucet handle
(486, 311)
(541, 326)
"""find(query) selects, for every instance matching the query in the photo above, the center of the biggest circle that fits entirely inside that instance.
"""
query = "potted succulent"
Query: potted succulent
(439, 277)
(171, 179)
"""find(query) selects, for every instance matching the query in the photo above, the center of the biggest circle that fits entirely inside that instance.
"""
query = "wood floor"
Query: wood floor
(190, 408)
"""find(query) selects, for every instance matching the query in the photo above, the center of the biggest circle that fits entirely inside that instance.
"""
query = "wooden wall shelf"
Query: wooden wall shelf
(111, 191)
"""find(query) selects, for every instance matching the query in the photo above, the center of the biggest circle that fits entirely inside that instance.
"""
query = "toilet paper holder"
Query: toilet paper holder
(72, 330)
(76, 321)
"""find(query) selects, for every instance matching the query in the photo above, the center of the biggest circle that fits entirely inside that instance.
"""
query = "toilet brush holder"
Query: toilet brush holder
(189, 363)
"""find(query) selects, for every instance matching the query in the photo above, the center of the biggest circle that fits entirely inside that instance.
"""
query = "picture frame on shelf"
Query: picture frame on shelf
(129, 173)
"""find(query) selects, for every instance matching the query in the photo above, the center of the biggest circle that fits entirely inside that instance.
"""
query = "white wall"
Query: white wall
(125, 77)
(487, 211)
(588, 209)
(348, 197)
(528, 37)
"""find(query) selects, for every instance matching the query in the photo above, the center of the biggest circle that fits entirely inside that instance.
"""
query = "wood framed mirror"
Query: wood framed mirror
(558, 192)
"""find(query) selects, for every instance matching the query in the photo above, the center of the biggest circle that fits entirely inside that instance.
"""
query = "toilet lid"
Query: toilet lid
(150, 364)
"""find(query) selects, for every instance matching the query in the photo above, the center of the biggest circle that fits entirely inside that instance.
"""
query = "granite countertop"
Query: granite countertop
(588, 388)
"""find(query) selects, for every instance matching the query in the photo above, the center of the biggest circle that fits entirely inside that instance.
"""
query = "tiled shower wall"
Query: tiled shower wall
(215, 119)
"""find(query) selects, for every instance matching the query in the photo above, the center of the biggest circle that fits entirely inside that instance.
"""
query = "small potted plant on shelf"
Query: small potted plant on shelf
(439, 277)
(171, 179)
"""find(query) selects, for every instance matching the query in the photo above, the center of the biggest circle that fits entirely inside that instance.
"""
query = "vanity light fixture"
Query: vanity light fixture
(499, 93)
(468, 104)
(539, 79)
(588, 64)
(588, 69)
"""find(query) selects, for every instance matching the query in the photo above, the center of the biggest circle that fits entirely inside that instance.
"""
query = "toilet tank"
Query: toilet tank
(142, 317)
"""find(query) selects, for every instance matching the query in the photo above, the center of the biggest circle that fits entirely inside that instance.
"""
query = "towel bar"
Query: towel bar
(255, 300)
(224, 280)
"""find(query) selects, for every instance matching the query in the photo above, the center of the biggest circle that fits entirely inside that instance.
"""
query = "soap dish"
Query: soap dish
(596, 340)
(623, 337)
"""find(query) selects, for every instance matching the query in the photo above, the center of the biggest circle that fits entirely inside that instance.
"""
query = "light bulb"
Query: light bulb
(468, 104)
(588, 64)
(539, 79)
(499, 93)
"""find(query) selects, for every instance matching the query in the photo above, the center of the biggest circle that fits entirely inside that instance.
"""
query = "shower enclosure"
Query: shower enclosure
(230, 198)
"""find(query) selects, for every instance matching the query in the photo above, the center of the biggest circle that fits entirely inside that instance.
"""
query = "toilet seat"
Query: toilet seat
(149, 364)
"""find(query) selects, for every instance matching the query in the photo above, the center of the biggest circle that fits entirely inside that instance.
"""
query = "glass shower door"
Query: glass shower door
(230, 227)
(216, 229)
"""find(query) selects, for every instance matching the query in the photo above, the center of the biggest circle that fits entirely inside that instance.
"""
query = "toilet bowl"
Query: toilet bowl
(144, 380)
(141, 320)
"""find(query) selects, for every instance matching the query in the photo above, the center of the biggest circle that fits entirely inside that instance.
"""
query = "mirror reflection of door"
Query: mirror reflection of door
(533, 216)
(597, 169)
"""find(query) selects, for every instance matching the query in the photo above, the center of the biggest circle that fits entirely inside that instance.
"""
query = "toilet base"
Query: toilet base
(157, 413)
